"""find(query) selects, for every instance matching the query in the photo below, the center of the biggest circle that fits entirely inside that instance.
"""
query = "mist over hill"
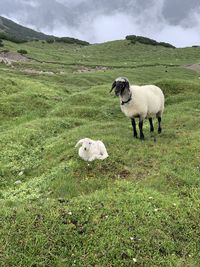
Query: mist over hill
(173, 21)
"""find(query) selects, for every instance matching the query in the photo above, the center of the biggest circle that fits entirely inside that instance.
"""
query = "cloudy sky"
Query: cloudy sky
(173, 21)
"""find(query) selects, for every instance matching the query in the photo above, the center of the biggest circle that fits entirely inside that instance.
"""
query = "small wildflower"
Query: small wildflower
(155, 210)
(21, 173)
(174, 204)
(106, 216)
(70, 213)
(131, 238)
(134, 260)
(150, 197)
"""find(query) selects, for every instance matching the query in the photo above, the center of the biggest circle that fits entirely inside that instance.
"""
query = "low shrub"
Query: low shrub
(22, 51)
(148, 41)
(50, 41)
(70, 40)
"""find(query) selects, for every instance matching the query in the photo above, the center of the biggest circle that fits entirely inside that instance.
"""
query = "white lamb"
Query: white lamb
(91, 149)
(140, 102)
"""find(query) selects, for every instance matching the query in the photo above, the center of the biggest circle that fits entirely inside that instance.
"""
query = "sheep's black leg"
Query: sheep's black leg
(151, 125)
(159, 124)
(140, 127)
(134, 127)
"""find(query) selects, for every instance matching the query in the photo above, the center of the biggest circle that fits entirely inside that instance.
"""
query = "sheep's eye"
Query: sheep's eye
(90, 143)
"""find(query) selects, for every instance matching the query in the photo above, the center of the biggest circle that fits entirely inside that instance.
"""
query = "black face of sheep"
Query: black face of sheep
(120, 85)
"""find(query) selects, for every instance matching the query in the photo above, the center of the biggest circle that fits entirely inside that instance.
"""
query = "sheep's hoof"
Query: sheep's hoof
(142, 138)
(135, 136)
(159, 130)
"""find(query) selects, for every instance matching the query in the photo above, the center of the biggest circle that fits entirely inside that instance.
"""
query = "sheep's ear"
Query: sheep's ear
(113, 86)
(127, 84)
(80, 142)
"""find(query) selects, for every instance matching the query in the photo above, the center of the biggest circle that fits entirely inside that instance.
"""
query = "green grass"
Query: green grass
(141, 204)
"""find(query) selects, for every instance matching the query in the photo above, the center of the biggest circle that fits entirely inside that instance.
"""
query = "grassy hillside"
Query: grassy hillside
(139, 207)
(9, 30)
(18, 32)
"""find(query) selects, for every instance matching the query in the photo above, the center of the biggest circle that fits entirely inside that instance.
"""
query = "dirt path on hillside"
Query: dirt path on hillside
(82, 69)
(195, 67)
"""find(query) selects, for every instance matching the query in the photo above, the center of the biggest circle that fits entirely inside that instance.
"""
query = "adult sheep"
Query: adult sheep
(140, 102)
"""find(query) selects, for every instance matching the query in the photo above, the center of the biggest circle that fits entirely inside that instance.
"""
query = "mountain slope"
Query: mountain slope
(14, 32)
(13, 29)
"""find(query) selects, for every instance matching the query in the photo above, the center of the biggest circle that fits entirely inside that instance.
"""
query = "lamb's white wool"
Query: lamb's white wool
(91, 149)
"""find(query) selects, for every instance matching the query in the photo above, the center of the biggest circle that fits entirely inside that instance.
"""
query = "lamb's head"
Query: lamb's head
(120, 84)
(85, 143)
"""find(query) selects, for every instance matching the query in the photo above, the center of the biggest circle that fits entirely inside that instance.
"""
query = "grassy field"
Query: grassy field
(139, 207)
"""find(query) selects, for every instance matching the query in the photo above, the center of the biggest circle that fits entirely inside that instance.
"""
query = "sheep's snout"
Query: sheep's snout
(117, 92)
(120, 87)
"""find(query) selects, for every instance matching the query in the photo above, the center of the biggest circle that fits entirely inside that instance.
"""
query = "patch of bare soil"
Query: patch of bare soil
(195, 67)
(124, 174)
(12, 57)
(37, 72)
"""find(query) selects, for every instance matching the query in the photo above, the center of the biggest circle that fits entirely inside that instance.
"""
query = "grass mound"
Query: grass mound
(108, 228)
(139, 207)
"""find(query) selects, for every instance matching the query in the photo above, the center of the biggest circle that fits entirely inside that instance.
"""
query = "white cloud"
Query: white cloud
(71, 3)
(31, 3)
(99, 21)
(179, 36)
(117, 26)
